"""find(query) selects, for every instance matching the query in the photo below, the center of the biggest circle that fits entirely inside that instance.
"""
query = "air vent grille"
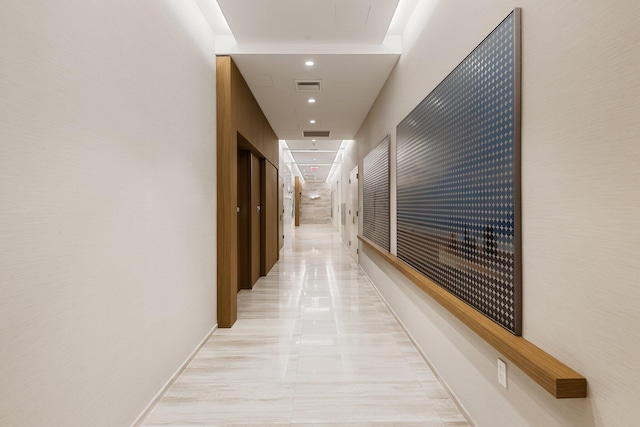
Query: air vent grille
(308, 85)
(316, 133)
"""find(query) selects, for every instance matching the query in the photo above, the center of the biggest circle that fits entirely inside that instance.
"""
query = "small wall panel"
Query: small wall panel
(458, 180)
(375, 189)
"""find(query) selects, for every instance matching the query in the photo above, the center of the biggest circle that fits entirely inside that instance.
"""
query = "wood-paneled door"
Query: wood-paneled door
(280, 212)
(256, 214)
(270, 248)
(244, 219)
(250, 212)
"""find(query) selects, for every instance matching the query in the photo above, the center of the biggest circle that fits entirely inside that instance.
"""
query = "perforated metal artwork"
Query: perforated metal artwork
(458, 180)
(375, 192)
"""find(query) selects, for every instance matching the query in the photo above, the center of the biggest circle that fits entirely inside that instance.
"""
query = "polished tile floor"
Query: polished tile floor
(313, 346)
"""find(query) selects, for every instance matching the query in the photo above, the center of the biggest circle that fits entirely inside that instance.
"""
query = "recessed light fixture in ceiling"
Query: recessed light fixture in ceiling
(312, 121)
(309, 63)
(311, 100)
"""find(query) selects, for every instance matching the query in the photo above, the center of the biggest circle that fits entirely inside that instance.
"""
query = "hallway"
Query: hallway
(313, 345)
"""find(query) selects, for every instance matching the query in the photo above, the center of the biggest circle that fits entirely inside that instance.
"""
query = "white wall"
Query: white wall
(349, 162)
(287, 175)
(581, 205)
(334, 181)
(107, 213)
(335, 204)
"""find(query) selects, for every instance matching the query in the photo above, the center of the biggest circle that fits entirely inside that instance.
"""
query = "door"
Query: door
(280, 212)
(270, 247)
(352, 213)
(297, 200)
(255, 214)
(244, 219)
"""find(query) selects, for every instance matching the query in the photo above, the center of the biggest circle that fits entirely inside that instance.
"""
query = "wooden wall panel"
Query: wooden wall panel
(298, 200)
(227, 197)
(256, 214)
(280, 214)
(238, 113)
(251, 122)
(270, 227)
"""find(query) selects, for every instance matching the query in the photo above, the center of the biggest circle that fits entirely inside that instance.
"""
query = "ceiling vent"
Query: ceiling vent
(316, 133)
(308, 85)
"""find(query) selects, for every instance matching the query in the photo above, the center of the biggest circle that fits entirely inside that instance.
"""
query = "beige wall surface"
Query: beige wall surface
(107, 213)
(348, 163)
(288, 193)
(580, 199)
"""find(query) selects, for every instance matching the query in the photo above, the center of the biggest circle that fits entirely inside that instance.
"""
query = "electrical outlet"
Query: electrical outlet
(502, 373)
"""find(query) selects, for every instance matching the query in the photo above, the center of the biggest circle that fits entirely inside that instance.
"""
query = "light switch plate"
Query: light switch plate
(502, 373)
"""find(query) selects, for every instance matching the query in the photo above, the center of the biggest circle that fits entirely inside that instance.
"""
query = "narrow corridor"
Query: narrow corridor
(314, 345)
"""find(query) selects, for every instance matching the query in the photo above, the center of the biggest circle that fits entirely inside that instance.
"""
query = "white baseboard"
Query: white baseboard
(422, 353)
(147, 409)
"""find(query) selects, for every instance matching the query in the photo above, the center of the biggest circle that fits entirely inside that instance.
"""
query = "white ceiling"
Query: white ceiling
(350, 84)
(353, 50)
(308, 21)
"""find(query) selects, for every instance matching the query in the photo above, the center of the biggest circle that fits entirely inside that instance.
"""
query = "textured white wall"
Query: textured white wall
(107, 212)
(349, 162)
(335, 204)
(288, 195)
(581, 205)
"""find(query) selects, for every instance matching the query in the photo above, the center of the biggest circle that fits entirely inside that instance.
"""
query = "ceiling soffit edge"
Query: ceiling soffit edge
(227, 45)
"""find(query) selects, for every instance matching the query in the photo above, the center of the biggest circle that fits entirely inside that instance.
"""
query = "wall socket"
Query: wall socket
(502, 373)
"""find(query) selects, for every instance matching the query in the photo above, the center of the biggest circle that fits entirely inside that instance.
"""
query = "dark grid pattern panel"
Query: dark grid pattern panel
(375, 189)
(457, 181)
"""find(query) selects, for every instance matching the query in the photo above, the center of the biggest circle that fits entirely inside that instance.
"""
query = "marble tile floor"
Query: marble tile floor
(313, 346)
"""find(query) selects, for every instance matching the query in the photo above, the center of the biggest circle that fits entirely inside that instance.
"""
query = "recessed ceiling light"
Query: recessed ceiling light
(309, 63)
(311, 100)
(312, 121)
(314, 140)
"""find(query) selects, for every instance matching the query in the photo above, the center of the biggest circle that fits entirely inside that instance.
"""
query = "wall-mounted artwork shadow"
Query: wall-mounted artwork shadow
(458, 180)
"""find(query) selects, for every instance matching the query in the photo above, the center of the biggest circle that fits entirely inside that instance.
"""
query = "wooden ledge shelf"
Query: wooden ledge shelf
(554, 376)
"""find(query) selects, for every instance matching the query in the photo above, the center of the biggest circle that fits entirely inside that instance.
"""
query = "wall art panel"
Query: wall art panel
(458, 180)
(375, 191)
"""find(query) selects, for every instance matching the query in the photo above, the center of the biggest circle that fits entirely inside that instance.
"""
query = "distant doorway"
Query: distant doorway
(249, 219)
